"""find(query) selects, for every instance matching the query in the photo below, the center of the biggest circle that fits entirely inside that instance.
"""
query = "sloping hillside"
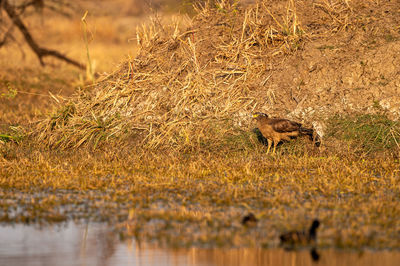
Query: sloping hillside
(193, 87)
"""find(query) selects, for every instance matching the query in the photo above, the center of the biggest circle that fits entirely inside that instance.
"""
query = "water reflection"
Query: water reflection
(314, 254)
(96, 244)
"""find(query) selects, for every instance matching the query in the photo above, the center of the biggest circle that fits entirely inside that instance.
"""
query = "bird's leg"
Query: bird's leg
(275, 143)
(269, 145)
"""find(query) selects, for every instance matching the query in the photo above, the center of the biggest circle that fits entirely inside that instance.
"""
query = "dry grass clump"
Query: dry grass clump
(191, 87)
(339, 11)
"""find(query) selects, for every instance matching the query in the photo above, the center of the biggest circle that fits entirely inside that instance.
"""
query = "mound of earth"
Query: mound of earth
(193, 87)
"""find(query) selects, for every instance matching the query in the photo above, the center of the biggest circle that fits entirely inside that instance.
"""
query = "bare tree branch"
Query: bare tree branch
(7, 35)
(39, 51)
(36, 3)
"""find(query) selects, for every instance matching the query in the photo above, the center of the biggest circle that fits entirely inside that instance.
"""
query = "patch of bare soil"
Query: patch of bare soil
(354, 70)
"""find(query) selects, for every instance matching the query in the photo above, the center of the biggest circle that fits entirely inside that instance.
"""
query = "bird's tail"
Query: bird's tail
(311, 134)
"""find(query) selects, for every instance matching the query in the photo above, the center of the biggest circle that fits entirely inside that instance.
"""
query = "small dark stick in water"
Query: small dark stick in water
(249, 220)
(293, 238)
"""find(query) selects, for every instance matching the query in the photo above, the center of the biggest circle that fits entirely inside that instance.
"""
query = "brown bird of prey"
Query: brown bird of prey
(294, 238)
(278, 129)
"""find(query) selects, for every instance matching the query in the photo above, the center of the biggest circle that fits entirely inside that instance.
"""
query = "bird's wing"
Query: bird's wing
(284, 125)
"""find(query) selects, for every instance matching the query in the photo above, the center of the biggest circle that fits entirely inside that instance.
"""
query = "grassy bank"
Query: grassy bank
(200, 197)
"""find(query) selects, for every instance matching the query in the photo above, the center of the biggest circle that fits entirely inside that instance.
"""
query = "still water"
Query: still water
(96, 244)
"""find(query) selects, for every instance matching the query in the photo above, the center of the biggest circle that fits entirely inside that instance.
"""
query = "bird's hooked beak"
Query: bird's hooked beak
(255, 115)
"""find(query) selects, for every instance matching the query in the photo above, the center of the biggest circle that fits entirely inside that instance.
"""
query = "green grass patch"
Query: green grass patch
(367, 133)
(326, 47)
(240, 140)
(15, 135)
(5, 137)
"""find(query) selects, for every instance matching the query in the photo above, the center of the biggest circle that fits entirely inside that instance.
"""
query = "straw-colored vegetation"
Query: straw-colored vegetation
(163, 148)
(189, 87)
(192, 87)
